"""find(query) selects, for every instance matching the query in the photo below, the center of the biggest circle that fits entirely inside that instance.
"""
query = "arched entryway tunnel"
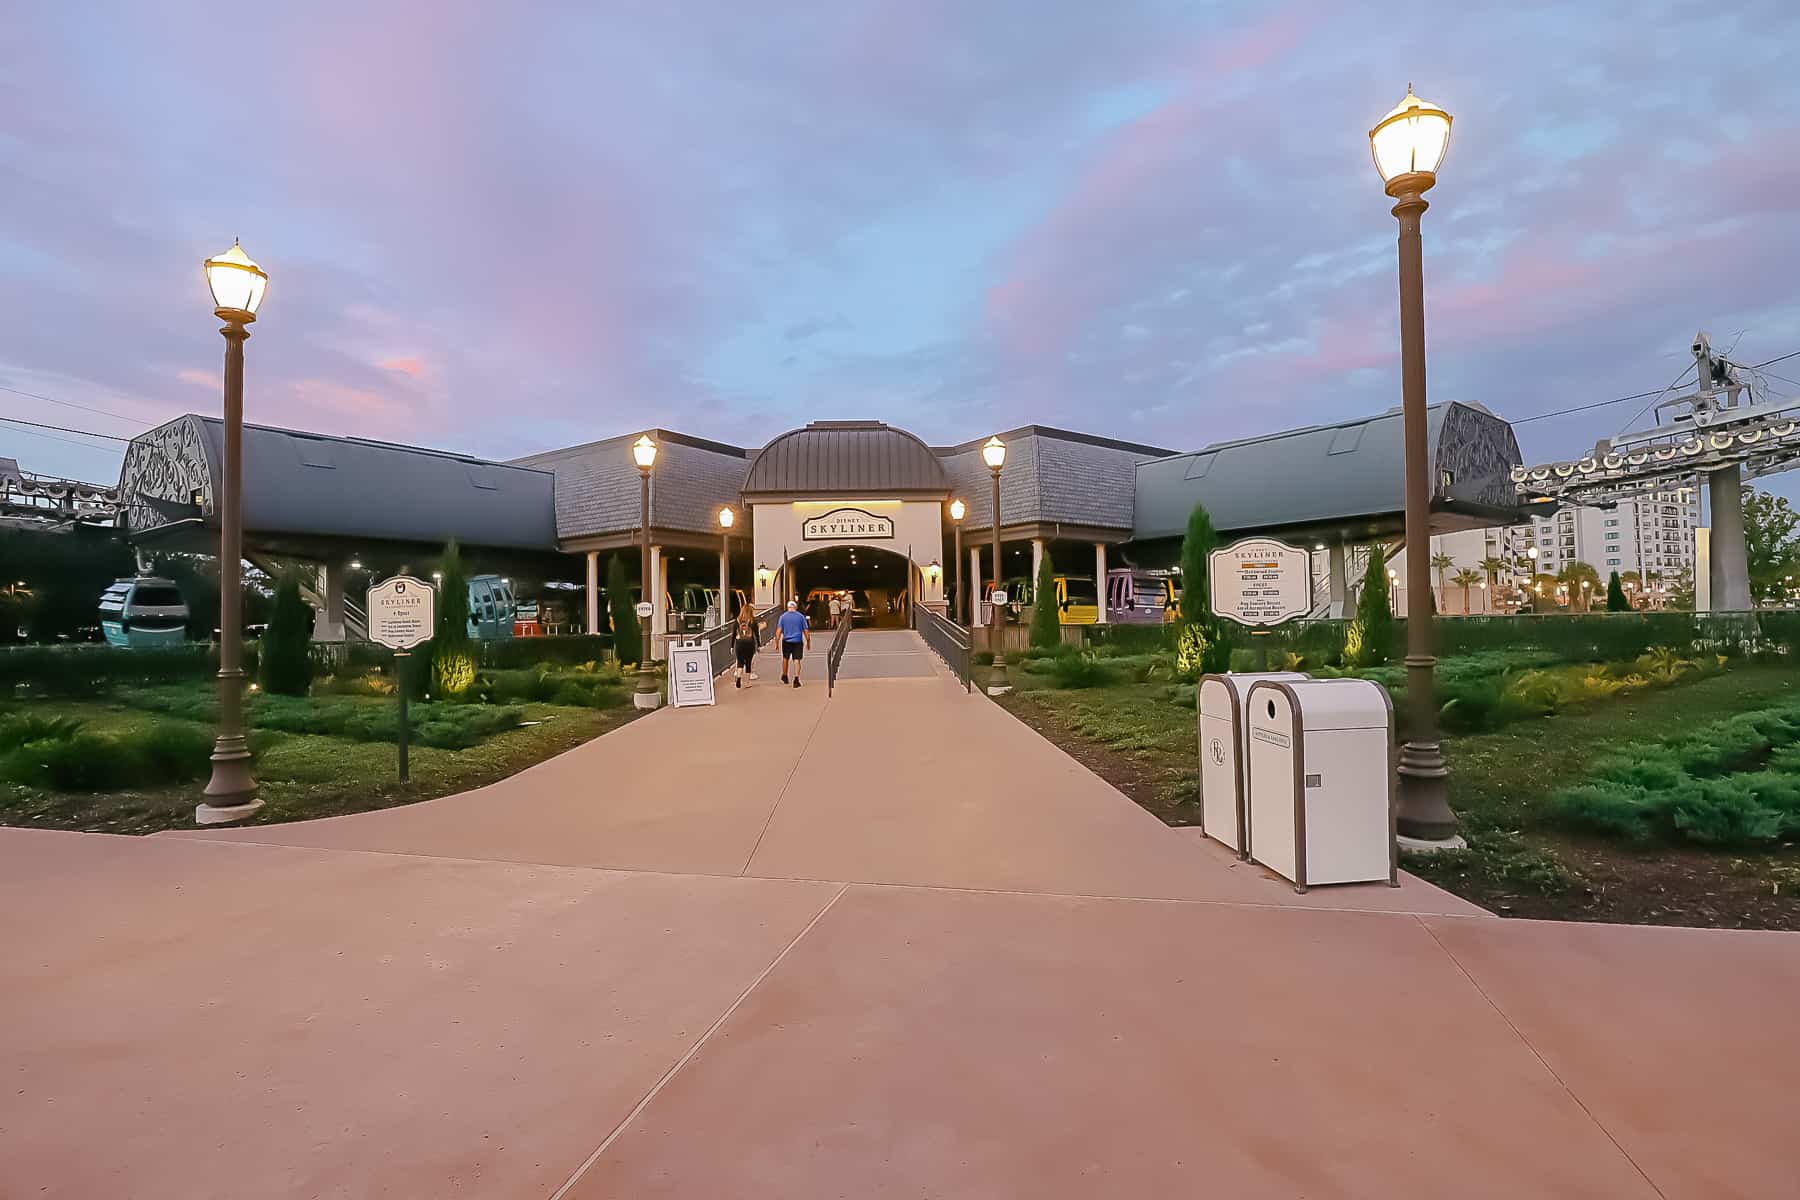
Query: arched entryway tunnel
(879, 584)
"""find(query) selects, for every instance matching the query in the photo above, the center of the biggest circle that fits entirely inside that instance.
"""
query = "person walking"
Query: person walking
(796, 639)
(745, 644)
(837, 609)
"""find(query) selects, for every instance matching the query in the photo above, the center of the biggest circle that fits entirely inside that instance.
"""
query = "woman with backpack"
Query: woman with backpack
(744, 641)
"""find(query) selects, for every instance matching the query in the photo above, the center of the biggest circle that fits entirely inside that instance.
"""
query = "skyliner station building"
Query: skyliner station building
(858, 505)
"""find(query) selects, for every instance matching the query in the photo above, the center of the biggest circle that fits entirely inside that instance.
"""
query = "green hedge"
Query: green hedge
(73, 761)
(89, 670)
(525, 652)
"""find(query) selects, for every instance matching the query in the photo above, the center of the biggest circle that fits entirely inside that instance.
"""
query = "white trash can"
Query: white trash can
(1321, 786)
(1223, 762)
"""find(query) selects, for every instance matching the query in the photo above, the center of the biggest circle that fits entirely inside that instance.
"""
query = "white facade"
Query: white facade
(1652, 534)
(913, 529)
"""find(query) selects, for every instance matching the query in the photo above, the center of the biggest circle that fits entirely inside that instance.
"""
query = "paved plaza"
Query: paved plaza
(892, 943)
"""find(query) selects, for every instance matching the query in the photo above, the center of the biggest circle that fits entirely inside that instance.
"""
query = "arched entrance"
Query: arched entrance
(880, 584)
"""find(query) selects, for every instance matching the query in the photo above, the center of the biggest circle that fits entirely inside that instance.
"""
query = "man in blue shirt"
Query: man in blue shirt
(796, 638)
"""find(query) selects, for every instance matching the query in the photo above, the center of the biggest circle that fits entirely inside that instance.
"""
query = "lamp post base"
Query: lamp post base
(1423, 803)
(208, 814)
(647, 695)
(647, 699)
(1413, 845)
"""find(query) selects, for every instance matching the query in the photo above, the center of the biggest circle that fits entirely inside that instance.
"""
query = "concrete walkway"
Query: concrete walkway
(893, 944)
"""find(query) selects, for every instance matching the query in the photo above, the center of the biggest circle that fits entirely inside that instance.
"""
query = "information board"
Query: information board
(1260, 581)
(690, 674)
(401, 612)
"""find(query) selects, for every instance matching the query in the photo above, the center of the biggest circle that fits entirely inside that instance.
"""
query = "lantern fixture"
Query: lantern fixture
(726, 517)
(958, 510)
(1409, 144)
(237, 283)
(643, 452)
(993, 452)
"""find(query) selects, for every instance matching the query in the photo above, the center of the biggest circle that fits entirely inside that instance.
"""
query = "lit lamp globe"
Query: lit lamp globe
(643, 452)
(726, 517)
(957, 510)
(237, 284)
(993, 453)
(1409, 145)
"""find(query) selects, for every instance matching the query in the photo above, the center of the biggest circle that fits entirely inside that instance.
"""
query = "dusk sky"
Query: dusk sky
(503, 228)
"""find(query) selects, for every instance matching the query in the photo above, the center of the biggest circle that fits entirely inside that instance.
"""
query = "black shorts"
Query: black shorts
(746, 653)
(793, 650)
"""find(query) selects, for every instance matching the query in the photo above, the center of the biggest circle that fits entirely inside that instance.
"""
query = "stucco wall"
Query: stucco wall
(918, 531)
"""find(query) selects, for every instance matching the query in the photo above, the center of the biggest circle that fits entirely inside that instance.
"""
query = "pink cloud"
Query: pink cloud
(199, 378)
(409, 366)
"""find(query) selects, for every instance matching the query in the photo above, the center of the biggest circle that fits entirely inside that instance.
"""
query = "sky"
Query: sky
(505, 228)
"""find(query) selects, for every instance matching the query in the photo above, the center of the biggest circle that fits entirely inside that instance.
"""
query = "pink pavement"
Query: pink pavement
(889, 944)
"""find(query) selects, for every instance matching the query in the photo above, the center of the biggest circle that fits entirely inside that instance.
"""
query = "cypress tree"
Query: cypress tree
(627, 637)
(284, 660)
(1374, 615)
(1615, 595)
(1205, 643)
(1046, 620)
(452, 650)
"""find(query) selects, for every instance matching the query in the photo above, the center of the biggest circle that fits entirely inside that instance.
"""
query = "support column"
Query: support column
(974, 586)
(328, 622)
(1037, 559)
(654, 589)
(1100, 588)
(1729, 569)
(593, 591)
(725, 610)
(1337, 559)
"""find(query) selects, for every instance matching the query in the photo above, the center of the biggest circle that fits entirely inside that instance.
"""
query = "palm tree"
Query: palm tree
(1466, 579)
(1573, 576)
(1441, 562)
(1493, 566)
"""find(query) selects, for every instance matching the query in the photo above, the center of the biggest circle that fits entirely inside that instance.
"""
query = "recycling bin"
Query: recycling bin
(1321, 780)
(1223, 777)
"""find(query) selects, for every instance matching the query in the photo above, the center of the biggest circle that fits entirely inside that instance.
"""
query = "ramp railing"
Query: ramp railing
(948, 640)
(720, 638)
(839, 640)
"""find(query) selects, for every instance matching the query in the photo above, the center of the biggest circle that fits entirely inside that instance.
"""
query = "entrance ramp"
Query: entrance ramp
(886, 654)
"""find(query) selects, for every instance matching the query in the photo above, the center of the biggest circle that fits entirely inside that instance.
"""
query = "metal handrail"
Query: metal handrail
(839, 640)
(948, 640)
(720, 638)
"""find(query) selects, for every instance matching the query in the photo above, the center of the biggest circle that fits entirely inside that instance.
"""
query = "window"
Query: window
(1612, 562)
(1612, 537)
(1611, 523)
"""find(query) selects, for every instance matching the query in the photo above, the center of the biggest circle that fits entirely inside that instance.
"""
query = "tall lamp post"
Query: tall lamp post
(993, 453)
(958, 510)
(237, 286)
(643, 452)
(726, 517)
(1408, 146)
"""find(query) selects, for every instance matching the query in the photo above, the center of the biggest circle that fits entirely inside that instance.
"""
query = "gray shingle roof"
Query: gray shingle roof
(1325, 474)
(307, 483)
(597, 484)
(846, 457)
(1051, 476)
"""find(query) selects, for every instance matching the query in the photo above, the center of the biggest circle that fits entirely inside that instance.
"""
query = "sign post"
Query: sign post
(1260, 582)
(401, 612)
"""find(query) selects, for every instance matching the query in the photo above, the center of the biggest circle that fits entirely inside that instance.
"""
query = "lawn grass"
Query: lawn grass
(303, 775)
(1520, 860)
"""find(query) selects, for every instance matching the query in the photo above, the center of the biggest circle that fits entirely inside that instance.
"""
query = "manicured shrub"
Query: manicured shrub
(18, 728)
(93, 762)
(1204, 646)
(1046, 618)
(1615, 595)
(93, 670)
(284, 658)
(1078, 671)
(509, 653)
(452, 649)
(628, 639)
(1374, 615)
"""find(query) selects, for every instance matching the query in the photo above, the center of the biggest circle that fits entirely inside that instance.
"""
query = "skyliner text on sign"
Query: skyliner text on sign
(1260, 581)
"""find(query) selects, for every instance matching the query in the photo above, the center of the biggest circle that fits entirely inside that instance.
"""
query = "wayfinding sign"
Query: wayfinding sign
(401, 612)
(690, 674)
(1260, 581)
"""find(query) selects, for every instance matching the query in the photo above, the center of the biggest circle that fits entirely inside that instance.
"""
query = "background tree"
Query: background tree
(1491, 567)
(627, 638)
(1542, 593)
(1572, 577)
(1374, 631)
(452, 650)
(1616, 600)
(1204, 645)
(1046, 619)
(1466, 579)
(1771, 546)
(1441, 562)
(284, 657)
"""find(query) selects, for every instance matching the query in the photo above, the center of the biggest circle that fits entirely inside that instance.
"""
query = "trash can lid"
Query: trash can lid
(1342, 704)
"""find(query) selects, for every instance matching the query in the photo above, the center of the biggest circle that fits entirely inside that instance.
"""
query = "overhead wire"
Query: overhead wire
(65, 403)
(111, 437)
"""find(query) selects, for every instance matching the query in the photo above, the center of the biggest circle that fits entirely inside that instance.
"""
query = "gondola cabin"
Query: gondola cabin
(143, 612)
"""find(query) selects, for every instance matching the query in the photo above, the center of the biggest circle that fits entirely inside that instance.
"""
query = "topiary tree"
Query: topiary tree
(1374, 613)
(284, 660)
(452, 650)
(1615, 595)
(1046, 620)
(1204, 645)
(627, 637)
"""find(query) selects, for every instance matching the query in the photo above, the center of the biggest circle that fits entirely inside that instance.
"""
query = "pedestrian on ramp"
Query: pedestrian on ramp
(744, 642)
(796, 638)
